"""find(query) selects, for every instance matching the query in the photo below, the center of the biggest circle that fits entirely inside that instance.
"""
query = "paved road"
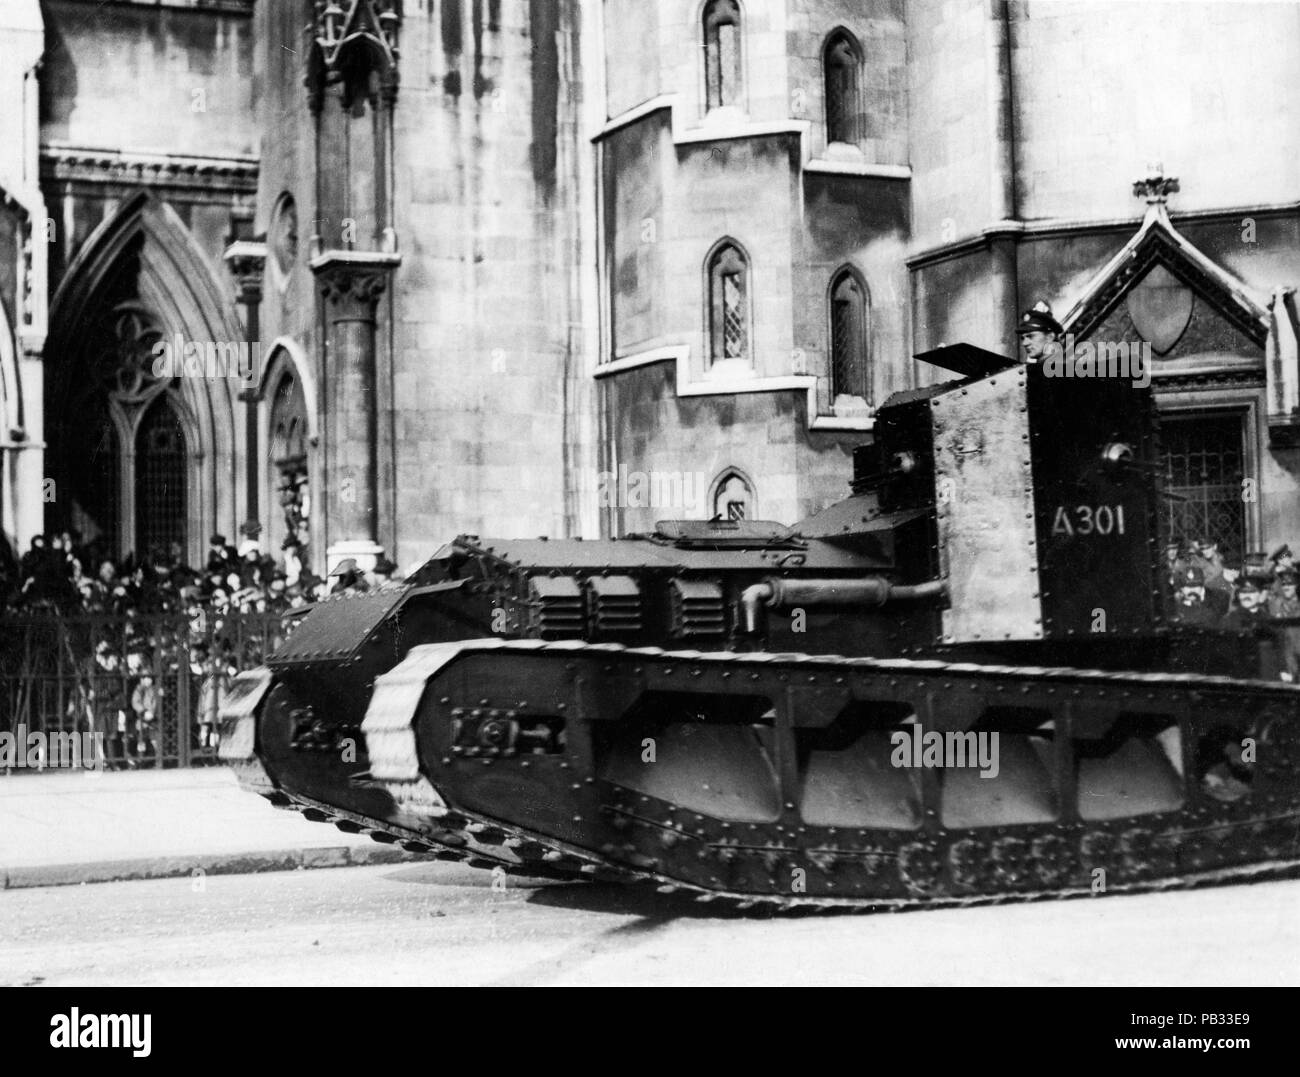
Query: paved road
(435, 923)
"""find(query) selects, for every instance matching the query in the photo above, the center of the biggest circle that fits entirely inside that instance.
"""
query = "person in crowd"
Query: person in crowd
(221, 557)
(1175, 559)
(348, 577)
(1284, 606)
(1249, 611)
(1283, 602)
(1218, 590)
(108, 698)
(144, 702)
(1191, 609)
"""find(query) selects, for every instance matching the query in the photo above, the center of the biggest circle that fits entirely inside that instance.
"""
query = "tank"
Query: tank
(959, 684)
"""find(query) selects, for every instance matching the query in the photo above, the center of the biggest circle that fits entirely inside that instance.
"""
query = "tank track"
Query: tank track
(239, 713)
(486, 841)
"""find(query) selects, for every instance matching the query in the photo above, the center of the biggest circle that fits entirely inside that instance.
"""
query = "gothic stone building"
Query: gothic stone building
(567, 267)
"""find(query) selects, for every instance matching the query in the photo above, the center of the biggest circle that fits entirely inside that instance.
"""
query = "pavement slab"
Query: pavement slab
(66, 827)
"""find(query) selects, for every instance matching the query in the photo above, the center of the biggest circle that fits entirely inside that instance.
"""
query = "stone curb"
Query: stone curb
(170, 867)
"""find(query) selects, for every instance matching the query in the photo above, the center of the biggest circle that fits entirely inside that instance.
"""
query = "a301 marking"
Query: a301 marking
(1088, 520)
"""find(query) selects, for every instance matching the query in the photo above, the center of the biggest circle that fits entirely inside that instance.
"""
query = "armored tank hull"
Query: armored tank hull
(959, 685)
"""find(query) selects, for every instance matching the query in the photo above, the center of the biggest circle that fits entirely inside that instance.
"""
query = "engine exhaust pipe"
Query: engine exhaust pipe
(871, 592)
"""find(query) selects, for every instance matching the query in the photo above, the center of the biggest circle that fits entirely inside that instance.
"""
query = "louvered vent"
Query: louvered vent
(615, 603)
(697, 608)
(556, 607)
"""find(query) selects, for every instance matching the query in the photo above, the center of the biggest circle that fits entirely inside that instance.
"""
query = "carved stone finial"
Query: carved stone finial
(1156, 187)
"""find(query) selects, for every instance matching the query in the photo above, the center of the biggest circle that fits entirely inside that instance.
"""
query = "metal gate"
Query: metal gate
(92, 674)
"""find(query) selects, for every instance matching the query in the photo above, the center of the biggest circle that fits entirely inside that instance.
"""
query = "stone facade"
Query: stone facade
(500, 258)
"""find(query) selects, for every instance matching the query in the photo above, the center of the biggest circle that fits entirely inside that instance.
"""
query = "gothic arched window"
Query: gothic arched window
(160, 500)
(728, 271)
(842, 61)
(849, 322)
(288, 451)
(733, 497)
(722, 52)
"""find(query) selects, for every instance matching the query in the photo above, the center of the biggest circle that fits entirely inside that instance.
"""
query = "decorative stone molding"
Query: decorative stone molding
(72, 163)
(1157, 242)
(353, 281)
(348, 40)
(1156, 187)
(246, 261)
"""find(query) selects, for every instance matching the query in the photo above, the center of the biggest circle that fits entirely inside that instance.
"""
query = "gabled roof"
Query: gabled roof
(1157, 241)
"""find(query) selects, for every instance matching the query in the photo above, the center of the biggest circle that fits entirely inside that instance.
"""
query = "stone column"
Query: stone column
(352, 283)
(246, 262)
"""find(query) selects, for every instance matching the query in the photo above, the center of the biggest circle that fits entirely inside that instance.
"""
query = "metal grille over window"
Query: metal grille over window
(849, 371)
(557, 611)
(733, 330)
(615, 603)
(1204, 464)
(697, 608)
(728, 304)
(842, 63)
(722, 52)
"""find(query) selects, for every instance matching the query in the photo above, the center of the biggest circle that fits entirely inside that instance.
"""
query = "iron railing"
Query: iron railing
(80, 674)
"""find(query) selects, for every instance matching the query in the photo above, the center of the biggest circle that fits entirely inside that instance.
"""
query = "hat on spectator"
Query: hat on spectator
(1193, 577)
(1255, 567)
(1286, 579)
(217, 540)
(250, 528)
(345, 567)
(1282, 551)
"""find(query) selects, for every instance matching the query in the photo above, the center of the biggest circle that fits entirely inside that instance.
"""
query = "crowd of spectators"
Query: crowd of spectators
(133, 624)
(61, 574)
(1261, 593)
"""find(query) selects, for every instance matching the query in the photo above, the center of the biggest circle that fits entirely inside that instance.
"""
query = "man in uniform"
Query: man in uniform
(1249, 615)
(1284, 605)
(1191, 609)
(1218, 591)
(1248, 611)
(1039, 333)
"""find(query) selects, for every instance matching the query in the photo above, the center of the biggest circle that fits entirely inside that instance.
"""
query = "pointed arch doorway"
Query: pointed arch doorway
(141, 462)
(127, 441)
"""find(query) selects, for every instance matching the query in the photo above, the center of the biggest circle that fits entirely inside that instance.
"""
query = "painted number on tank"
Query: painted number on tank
(1088, 520)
